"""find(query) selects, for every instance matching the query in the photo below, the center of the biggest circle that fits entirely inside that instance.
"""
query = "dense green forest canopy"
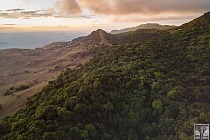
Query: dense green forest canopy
(151, 84)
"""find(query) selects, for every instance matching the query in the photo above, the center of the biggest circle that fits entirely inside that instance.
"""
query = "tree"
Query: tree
(91, 129)
(157, 104)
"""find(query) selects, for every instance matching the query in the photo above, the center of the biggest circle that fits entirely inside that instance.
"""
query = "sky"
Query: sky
(88, 15)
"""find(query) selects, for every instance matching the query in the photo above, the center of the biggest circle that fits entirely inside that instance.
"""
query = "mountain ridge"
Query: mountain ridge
(151, 84)
(41, 65)
(144, 26)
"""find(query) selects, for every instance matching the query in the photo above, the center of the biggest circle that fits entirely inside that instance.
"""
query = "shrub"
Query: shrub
(22, 87)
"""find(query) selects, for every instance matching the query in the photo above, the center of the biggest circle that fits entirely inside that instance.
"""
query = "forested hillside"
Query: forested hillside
(150, 84)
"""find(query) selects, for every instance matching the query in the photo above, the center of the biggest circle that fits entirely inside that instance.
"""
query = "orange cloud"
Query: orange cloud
(116, 9)
(148, 7)
(133, 10)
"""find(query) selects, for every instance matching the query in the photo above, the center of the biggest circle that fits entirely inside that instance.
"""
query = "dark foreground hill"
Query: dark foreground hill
(150, 84)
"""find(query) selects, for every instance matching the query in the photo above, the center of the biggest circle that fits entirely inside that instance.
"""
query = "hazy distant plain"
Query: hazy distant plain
(32, 40)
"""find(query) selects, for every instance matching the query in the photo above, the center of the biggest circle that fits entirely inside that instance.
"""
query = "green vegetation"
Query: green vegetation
(13, 89)
(22, 87)
(151, 85)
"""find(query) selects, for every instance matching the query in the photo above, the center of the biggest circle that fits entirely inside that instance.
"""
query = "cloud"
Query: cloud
(146, 7)
(131, 10)
(67, 7)
(116, 9)
(9, 10)
(6, 28)
(21, 13)
(61, 9)
(8, 24)
(156, 18)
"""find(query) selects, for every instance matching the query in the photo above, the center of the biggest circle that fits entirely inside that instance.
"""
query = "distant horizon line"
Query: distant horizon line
(9, 28)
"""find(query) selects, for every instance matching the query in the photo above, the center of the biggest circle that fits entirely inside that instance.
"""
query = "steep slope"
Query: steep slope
(198, 23)
(151, 84)
(144, 26)
(35, 68)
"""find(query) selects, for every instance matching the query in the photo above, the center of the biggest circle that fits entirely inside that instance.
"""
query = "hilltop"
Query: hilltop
(150, 84)
(34, 68)
(144, 26)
